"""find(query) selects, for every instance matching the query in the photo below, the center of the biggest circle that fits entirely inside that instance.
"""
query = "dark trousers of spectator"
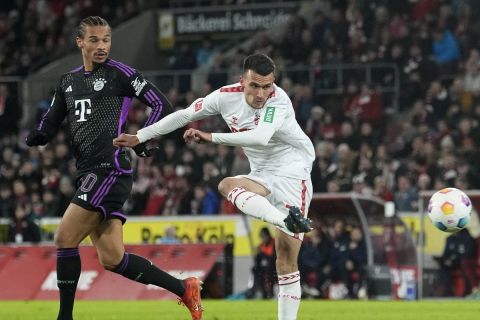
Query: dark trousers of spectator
(264, 277)
(351, 279)
(446, 274)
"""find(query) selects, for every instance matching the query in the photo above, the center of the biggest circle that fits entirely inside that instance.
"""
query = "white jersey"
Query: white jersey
(270, 137)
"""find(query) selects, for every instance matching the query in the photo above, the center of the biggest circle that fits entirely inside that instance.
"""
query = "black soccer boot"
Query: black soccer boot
(296, 222)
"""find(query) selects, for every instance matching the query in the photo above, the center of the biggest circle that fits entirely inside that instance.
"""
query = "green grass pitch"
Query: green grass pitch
(247, 310)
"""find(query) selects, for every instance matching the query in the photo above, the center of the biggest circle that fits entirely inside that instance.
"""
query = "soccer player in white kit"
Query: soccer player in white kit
(278, 189)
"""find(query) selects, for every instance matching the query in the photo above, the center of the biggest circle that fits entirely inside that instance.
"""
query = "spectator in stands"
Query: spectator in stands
(333, 186)
(314, 123)
(168, 153)
(320, 26)
(445, 50)
(459, 96)
(360, 184)
(303, 103)
(350, 109)
(64, 194)
(371, 106)
(10, 112)
(334, 270)
(7, 203)
(437, 96)
(205, 52)
(345, 163)
(313, 258)
(355, 262)
(20, 192)
(324, 168)
(380, 189)
(264, 266)
(418, 71)
(422, 114)
(472, 79)
(51, 206)
(23, 227)
(459, 251)
(240, 163)
(184, 60)
(170, 236)
(294, 30)
(211, 174)
(7, 173)
(217, 75)
(466, 135)
(468, 175)
(424, 182)
(223, 160)
(30, 176)
(370, 135)
(205, 200)
(348, 136)
(157, 194)
(448, 167)
(405, 195)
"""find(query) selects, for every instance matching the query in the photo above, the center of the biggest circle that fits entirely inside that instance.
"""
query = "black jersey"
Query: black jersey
(96, 106)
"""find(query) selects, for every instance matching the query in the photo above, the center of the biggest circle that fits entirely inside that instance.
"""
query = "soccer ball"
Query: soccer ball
(449, 209)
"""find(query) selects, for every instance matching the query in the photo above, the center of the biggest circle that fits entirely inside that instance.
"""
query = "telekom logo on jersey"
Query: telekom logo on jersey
(82, 108)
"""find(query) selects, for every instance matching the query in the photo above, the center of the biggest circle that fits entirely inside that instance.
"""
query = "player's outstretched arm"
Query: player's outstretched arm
(131, 141)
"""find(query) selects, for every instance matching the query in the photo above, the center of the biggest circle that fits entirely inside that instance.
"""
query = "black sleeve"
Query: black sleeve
(55, 114)
(151, 96)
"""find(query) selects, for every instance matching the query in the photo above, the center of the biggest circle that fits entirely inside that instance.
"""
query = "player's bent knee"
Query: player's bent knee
(226, 185)
(110, 261)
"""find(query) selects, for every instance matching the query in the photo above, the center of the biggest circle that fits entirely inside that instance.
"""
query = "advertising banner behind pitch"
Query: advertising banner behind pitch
(188, 24)
(28, 272)
(241, 231)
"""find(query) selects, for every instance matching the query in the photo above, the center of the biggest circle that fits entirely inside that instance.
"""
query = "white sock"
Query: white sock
(289, 295)
(256, 206)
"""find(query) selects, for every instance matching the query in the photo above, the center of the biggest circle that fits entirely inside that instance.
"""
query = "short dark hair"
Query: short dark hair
(259, 63)
(91, 21)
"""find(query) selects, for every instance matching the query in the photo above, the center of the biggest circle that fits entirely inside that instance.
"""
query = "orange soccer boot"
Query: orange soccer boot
(191, 298)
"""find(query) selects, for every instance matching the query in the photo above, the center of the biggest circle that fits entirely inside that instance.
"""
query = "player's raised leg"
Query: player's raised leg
(249, 197)
(290, 292)
(75, 225)
(108, 240)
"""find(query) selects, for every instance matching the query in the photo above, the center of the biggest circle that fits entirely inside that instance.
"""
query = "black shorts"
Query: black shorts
(104, 191)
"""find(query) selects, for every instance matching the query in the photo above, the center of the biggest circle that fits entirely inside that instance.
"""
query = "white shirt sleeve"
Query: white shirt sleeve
(272, 118)
(199, 109)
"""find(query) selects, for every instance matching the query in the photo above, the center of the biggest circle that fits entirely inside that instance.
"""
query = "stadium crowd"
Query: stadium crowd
(363, 144)
(428, 143)
(35, 32)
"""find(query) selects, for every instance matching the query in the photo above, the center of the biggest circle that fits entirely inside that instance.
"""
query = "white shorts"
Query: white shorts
(284, 193)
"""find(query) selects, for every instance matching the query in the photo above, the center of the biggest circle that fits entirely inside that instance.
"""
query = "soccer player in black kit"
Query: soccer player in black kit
(95, 99)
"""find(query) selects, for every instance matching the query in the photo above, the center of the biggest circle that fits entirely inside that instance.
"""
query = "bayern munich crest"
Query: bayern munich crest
(99, 84)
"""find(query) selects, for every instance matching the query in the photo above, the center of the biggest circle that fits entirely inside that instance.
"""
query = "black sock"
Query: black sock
(68, 272)
(142, 270)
